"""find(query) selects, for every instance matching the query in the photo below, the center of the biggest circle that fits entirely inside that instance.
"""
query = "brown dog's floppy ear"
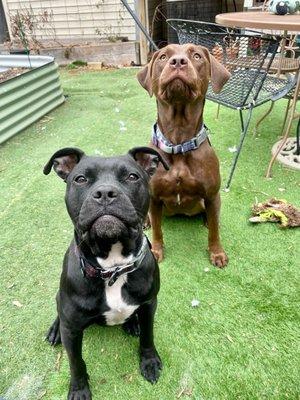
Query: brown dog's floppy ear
(218, 73)
(148, 159)
(63, 161)
(145, 75)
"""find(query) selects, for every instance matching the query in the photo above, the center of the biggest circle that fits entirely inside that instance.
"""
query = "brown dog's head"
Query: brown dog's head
(181, 73)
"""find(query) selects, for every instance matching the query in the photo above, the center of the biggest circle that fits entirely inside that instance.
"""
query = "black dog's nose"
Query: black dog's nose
(105, 193)
(178, 61)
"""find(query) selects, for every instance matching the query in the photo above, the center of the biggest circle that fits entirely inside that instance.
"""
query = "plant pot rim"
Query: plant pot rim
(24, 60)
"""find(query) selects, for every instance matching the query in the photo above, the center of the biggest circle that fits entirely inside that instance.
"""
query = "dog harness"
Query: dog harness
(91, 268)
(159, 140)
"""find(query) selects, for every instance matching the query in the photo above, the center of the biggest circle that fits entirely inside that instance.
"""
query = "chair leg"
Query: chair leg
(241, 119)
(262, 118)
(243, 135)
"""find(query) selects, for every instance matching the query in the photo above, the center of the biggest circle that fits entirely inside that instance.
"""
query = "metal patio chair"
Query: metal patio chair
(248, 57)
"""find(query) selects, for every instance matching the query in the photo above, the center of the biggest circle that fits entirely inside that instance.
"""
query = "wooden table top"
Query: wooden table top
(260, 19)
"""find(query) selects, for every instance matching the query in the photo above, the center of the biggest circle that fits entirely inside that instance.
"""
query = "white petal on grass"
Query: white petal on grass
(232, 149)
(17, 303)
(195, 303)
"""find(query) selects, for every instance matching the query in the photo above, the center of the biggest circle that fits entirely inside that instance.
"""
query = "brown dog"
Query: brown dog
(178, 76)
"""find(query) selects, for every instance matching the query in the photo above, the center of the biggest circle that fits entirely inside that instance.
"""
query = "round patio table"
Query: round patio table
(260, 20)
(264, 20)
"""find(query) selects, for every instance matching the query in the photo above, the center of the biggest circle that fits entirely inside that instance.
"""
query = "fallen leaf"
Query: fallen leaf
(185, 392)
(42, 394)
(127, 377)
(230, 338)
(11, 286)
(58, 360)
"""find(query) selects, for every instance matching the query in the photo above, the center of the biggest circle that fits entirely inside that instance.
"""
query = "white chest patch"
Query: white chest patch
(119, 309)
(115, 257)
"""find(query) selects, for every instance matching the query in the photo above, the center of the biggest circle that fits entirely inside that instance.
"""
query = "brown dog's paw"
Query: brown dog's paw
(219, 259)
(158, 251)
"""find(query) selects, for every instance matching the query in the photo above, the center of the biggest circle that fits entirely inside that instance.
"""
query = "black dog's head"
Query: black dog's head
(106, 197)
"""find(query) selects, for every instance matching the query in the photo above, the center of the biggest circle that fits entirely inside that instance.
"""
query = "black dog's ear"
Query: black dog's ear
(63, 161)
(148, 159)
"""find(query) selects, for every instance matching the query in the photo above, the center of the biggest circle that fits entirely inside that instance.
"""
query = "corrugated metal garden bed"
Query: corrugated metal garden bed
(27, 97)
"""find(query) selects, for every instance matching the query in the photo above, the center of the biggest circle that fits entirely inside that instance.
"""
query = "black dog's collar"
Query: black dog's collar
(91, 268)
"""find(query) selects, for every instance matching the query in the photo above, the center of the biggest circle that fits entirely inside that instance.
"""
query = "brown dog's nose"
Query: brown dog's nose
(178, 61)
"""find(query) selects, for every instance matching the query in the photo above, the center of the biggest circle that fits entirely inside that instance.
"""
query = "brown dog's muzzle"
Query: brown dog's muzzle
(178, 80)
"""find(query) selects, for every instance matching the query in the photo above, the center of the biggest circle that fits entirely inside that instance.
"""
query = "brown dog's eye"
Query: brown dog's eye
(80, 179)
(133, 177)
(197, 56)
(163, 57)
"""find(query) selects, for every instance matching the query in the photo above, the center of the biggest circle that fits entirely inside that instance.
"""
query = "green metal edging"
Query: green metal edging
(28, 97)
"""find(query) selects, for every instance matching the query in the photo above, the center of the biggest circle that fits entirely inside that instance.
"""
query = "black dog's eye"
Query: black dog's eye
(80, 179)
(133, 177)
(163, 57)
(197, 56)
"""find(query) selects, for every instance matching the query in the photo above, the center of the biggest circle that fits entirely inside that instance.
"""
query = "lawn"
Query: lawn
(242, 342)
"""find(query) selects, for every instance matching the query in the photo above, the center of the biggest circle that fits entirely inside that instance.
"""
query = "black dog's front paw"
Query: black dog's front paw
(79, 394)
(132, 326)
(53, 335)
(150, 365)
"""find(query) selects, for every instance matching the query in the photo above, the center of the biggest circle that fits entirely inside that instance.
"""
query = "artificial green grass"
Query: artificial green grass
(242, 342)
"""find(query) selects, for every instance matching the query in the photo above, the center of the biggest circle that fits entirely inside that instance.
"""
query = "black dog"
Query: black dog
(109, 275)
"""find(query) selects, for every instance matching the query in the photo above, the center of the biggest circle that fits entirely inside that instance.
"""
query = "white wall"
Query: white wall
(77, 18)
